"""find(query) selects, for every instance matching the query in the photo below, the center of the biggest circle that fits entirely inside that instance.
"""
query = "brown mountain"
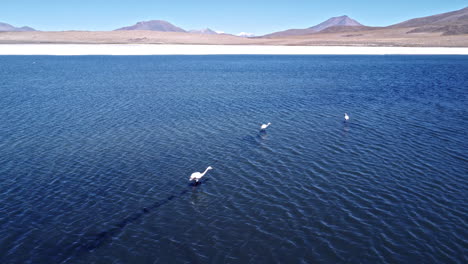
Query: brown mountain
(451, 23)
(8, 27)
(443, 30)
(154, 25)
(343, 21)
(337, 29)
(445, 24)
(203, 31)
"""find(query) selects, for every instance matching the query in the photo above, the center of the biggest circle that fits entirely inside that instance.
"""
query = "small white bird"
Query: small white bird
(197, 175)
(346, 117)
(264, 126)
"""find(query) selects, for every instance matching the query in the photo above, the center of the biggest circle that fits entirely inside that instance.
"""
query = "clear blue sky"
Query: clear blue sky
(233, 16)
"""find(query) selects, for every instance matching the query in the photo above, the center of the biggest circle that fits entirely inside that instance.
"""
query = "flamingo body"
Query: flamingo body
(264, 126)
(198, 175)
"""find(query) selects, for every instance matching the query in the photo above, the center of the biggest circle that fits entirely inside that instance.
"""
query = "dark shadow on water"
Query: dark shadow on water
(350, 124)
(262, 135)
(250, 140)
(93, 242)
(257, 139)
(346, 126)
(195, 184)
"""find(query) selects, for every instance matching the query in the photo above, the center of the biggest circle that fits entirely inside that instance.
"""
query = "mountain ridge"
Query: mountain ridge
(203, 31)
(8, 27)
(344, 21)
(153, 25)
(449, 23)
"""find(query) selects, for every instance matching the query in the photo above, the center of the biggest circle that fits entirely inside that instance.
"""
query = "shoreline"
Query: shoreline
(185, 49)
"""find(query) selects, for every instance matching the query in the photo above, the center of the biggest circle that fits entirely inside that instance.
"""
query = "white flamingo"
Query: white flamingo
(197, 175)
(346, 117)
(264, 126)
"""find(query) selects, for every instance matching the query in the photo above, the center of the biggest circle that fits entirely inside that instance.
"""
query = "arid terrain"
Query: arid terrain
(442, 30)
(374, 37)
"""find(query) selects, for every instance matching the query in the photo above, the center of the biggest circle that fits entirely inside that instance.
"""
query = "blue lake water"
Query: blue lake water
(96, 152)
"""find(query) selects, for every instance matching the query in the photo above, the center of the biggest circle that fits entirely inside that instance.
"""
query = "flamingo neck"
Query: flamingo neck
(205, 171)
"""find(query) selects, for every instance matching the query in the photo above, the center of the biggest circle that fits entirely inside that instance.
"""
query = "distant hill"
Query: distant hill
(443, 30)
(8, 27)
(337, 29)
(203, 31)
(154, 25)
(342, 21)
(450, 23)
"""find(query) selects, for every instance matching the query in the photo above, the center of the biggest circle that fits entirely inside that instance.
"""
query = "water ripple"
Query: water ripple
(95, 169)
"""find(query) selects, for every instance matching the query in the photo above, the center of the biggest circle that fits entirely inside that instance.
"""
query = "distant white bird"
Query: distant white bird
(346, 117)
(197, 175)
(264, 126)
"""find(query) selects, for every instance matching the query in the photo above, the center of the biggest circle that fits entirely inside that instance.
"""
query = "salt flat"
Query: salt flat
(174, 49)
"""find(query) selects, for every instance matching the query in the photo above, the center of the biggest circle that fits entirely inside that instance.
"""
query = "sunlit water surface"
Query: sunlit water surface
(96, 152)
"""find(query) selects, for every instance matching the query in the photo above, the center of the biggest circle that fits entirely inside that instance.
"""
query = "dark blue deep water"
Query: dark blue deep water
(96, 152)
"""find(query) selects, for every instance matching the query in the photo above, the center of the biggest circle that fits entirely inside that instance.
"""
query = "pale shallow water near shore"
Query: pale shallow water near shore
(164, 49)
